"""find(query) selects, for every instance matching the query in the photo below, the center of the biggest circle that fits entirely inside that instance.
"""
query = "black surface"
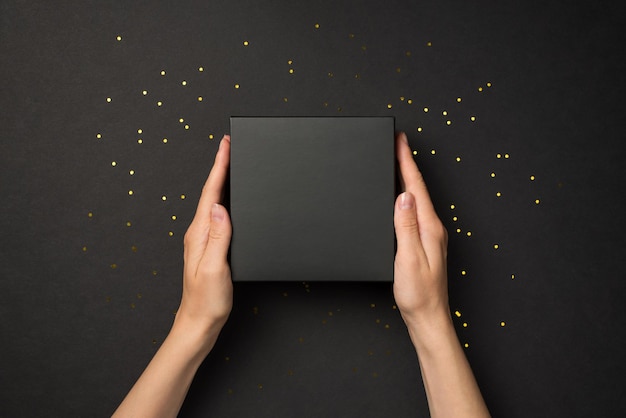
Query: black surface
(76, 333)
(311, 199)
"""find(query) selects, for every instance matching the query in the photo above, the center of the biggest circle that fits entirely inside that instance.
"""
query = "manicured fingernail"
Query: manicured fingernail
(217, 213)
(407, 201)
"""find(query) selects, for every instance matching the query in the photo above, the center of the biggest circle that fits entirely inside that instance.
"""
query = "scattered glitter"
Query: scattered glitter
(131, 172)
(457, 313)
(488, 84)
(454, 219)
(458, 100)
(473, 118)
(414, 152)
(211, 136)
(429, 44)
(536, 201)
(184, 83)
(409, 101)
(493, 175)
(139, 131)
(165, 140)
(162, 72)
(98, 136)
(90, 215)
(236, 86)
(445, 113)
(389, 106)
(113, 163)
(464, 324)
(128, 224)
(317, 26)
(466, 345)
(330, 75)
(498, 194)
(498, 155)
(113, 266)
(108, 100)
(171, 234)
(448, 122)
(182, 196)
(199, 98)
(200, 69)
(512, 276)
(469, 233)
(145, 92)
(496, 246)
(186, 126)
(452, 207)
(506, 155)
(245, 43)
(458, 159)
(181, 120)
(458, 230)
(502, 323)
(532, 178)
(140, 141)
(163, 197)
(285, 99)
(173, 217)
(159, 104)
(463, 272)
(290, 62)
(84, 249)
(130, 192)
(291, 71)
(433, 152)
(419, 129)
(480, 89)
(425, 110)
(119, 38)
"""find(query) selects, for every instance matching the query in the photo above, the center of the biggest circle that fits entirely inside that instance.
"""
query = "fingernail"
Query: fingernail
(404, 138)
(407, 201)
(217, 213)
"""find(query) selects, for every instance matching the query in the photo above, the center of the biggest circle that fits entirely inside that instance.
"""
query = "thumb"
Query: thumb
(405, 222)
(220, 232)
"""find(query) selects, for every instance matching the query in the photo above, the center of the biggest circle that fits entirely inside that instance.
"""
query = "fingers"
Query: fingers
(417, 227)
(213, 189)
(412, 180)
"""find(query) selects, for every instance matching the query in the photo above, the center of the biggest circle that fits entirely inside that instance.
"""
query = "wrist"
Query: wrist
(197, 338)
(430, 332)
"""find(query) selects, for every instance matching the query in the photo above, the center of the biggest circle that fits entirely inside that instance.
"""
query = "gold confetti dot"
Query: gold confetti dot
(488, 84)
(285, 99)
(512, 276)
(211, 136)
(159, 104)
(317, 26)
(458, 100)
(154, 272)
(200, 69)
(414, 152)
(429, 44)
(463, 272)
(409, 101)
(402, 98)
(452, 206)
(133, 248)
(357, 76)
(162, 72)
(199, 98)
(165, 140)
(496, 246)
(433, 152)
(532, 178)
(113, 163)
(145, 92)
(493, 175)
(464, 324)
(113, 266)
(108, 100)
(458, 230)
(419, 129)
(445, 113)
(372, 305)
(466, 345)
(498, 194)
(330, 75)
(454, 219)
(98, 136)
(173, 217)
(473, 118)
(425, 110)
(128, 223)
(457, 313)
(186, 126)
(537, 201)
(130, 192)
(389, 106)
(291, 71)
(469, 233)
(448, 122)
(164, 198)
(458, 159)
(181, 120)
(387, 326)
(140, 141)
(171, 234)
(506, 155)
(182, 196)
(245, 43)
(90, 215)
(184, 83)
(139, 131)
(84, 249)
(236, 86)
(480, 89)
(502, 323)
(498, 155)
(119, 38)
(398, 69)
(290, 62)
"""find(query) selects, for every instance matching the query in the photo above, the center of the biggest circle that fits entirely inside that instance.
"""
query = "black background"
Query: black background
(86, 300)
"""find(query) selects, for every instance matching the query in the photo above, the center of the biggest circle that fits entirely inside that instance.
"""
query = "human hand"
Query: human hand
(420, 274)
(207, 286)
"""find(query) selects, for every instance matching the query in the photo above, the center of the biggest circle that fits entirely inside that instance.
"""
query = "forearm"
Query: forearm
(161, 389)
(450, 385)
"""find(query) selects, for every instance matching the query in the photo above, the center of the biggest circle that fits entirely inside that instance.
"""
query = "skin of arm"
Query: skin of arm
(421, 293)
(205, 305)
